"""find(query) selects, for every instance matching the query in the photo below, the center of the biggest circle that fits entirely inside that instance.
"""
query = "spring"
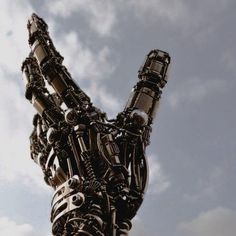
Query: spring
(88, 166)
(101, 166)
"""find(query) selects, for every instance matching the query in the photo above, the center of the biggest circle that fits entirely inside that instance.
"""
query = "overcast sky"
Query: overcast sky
(192, 154)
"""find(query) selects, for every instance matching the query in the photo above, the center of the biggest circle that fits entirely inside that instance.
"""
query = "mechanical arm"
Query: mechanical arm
(96, 166)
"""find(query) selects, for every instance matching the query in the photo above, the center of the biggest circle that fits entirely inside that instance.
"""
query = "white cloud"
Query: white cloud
(171, 10)
(99, 14)
(91, 68)
(13, 46)
(139, 228)
(103, 15)
(9, 227)
(82, 61)
(194, 90)
(190, 19)
(15, 125)
(158, 181)
(207, 186)
(106, 101)
(216, 222)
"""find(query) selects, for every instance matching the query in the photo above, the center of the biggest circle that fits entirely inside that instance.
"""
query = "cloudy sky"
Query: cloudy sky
(192, 155)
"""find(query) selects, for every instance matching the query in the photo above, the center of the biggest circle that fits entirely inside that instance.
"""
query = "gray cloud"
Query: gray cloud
(100, 15)
(139, 228)
(195, 90)
(170, 10)
(194, 134)
(216, 222)
(158, 181)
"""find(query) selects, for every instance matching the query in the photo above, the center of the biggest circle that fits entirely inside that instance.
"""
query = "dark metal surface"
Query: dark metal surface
(97, 167)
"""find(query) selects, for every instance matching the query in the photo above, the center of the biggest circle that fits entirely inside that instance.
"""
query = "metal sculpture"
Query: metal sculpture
(97, 166)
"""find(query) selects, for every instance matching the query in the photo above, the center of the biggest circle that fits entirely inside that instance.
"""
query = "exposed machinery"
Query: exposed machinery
(97, 166)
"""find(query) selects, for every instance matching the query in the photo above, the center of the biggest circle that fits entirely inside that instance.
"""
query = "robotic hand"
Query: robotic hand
(97, 166)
